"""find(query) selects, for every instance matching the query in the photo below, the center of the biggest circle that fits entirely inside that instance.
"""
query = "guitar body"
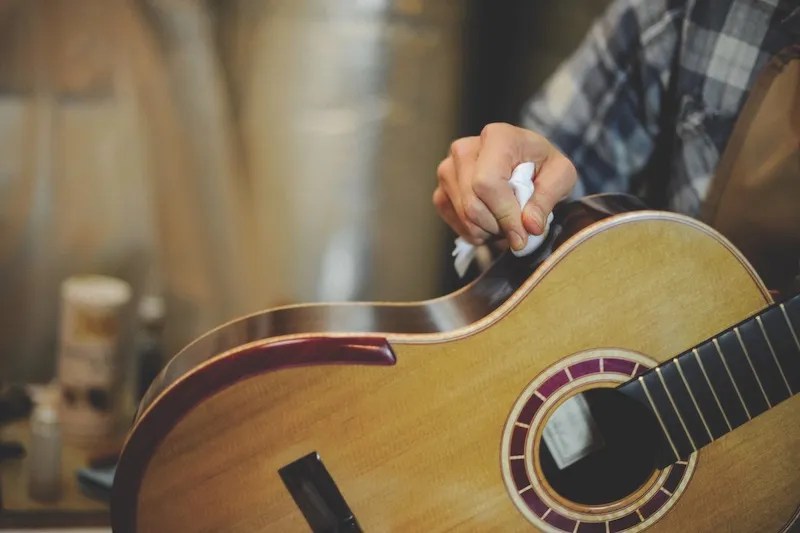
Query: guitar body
(419, 429)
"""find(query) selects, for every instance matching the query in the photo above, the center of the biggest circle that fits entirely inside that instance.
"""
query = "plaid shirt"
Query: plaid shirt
(648, 101)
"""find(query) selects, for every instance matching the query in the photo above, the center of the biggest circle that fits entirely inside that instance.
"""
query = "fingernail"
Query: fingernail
(516, 241)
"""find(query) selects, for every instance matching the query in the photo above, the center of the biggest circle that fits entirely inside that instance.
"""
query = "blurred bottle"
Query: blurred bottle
(44, 462)
(149, 352)
(88, 359)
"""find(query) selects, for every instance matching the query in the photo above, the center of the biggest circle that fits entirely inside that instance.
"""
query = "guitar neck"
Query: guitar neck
(724, 382)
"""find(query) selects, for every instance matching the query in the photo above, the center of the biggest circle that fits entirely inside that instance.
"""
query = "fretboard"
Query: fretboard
(724, 382)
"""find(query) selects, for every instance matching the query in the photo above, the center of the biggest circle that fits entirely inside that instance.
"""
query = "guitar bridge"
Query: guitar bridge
(317, 496)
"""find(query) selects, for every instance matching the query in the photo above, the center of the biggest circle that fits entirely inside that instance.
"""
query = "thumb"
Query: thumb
(553, 183)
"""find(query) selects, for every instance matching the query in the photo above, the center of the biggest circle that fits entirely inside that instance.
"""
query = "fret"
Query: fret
(742, 373)
(766, 367)
(689, 412)
(750, 363)
(694, 400)
(658, 416)
(783, 341)
(774, 355)
(675, 407)
(715, 342)
(722, 383)
(666, 452)
(671, 418)
(728, 396)
(696, 360)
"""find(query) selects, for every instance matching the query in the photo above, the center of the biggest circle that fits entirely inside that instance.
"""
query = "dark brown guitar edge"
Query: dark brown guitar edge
(209, 380)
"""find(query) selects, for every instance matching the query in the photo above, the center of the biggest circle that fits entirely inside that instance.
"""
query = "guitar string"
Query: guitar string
(733, 381)
(658, 416)
(694, 401)
(750, 362)
(675, 407)
(772, 351)
(710, 386)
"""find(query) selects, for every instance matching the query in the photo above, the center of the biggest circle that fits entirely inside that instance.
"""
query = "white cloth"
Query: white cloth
(521, 183)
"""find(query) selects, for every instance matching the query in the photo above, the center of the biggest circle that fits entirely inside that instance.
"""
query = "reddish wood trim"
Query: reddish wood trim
(209, 379)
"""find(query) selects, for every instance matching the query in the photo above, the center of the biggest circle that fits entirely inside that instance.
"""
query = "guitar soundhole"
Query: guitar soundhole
(603, 447)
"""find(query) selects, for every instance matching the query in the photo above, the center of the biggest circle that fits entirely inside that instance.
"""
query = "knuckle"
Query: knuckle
(533, 137)
(504, 218)
(442, 170)
(535, 144)
(544, 203)
(438, 197)
(483, 187)
(473, 210)
(506, 222)
(572, 172)
(441, 201)
(460, 148)
(493, 129)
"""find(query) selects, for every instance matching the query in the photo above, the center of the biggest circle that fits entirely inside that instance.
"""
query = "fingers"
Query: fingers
(448, 213)
(553, 182)
(503, 147)
(449, 204)
(464, 153)
(474, 196)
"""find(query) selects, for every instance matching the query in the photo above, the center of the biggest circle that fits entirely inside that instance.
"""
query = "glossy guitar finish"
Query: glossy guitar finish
(413, 408)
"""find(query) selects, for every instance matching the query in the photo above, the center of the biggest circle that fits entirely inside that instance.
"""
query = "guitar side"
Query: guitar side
(412, 434)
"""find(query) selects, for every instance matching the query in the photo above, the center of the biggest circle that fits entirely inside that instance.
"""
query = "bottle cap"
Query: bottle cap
(96, 291)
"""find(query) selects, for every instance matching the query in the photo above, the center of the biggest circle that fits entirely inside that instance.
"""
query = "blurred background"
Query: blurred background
(212, 159)
(230, 156)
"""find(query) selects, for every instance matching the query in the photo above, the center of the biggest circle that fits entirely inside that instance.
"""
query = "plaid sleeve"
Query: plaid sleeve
(602, 106)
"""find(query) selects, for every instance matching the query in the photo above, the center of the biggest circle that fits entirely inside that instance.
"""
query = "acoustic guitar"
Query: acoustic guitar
(632, 374)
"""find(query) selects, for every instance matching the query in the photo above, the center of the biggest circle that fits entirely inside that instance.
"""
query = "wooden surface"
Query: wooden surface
(72, 509)
(415, 447)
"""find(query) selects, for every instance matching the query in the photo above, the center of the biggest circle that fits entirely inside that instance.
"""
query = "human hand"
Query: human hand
(473, 195)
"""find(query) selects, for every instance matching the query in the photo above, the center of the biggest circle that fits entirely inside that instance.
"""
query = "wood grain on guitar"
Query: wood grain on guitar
(429, 416)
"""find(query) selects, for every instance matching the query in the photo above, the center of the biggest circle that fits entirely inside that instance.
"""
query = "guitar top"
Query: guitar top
(631, 375)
